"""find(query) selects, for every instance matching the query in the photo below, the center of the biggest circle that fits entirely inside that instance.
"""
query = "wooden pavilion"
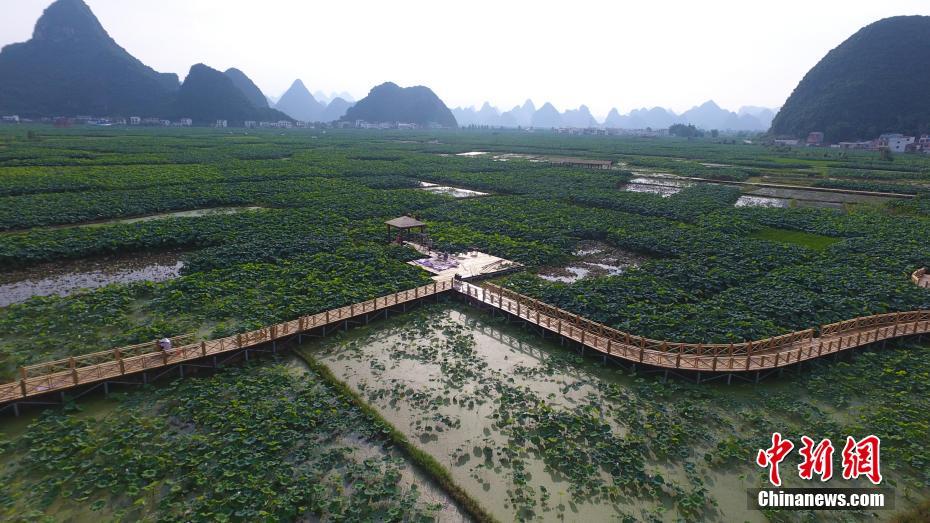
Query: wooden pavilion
(405, 227)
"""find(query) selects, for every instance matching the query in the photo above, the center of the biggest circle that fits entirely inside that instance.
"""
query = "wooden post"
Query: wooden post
(74, 375)
(22, 380)
(203, 348)
(352, 310)
(608, 345)
(239, 340)
(582, 336)
(327, 317)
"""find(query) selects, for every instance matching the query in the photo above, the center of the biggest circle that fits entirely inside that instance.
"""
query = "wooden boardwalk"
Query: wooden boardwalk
(767, 354)
(771, 353)
(56, 376)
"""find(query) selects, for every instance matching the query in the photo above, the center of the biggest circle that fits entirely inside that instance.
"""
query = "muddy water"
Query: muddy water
(663, 185)
(67, 277)
(761, 201)
(472, 153)
(811, 198)
(442, 378)
(460, 385)
(410, 476)
(594, 259)
(454, 192)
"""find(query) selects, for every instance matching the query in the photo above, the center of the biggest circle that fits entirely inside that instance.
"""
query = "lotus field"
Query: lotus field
(446, 413)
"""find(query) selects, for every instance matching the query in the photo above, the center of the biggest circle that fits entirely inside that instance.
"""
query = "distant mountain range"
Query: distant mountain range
(71, 67)
(706, 116)
(875, 82)
(389, 102)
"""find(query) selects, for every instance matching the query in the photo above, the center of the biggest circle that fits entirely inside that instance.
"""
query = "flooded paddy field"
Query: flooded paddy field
(814, 198)
(593, 259)
(454, 192)
(664, 185)
(538, 432)
(66, 277)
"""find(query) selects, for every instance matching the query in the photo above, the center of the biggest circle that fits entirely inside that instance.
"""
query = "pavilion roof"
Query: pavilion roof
(405, 222)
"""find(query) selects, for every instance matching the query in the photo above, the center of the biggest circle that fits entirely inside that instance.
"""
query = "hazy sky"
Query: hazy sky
(601, 53)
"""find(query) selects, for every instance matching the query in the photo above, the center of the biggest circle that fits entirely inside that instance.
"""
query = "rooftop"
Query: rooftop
(405, 222)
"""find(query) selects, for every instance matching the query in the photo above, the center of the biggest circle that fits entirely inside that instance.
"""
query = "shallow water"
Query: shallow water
(594, 259)
(454, 381)
(438, 380)
(67, 277)
(363, 449)
(761, 201)
(664, 186)
(454, 192)
(824, 197)
(472, 153)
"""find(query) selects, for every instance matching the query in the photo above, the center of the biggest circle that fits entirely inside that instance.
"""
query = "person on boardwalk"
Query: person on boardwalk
(164, 344)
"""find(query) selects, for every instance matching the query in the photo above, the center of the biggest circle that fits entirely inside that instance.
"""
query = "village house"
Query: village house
(815, 139)
(221, 124)
(895, 142)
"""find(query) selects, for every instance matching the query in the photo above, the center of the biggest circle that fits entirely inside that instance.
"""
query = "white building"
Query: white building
(896, 143)
(221, 124)
(186, 122)
(251, 124)
(13, 118)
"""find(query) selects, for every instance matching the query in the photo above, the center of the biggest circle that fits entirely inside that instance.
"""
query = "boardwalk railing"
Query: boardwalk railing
(64, 374)
(769, 353)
